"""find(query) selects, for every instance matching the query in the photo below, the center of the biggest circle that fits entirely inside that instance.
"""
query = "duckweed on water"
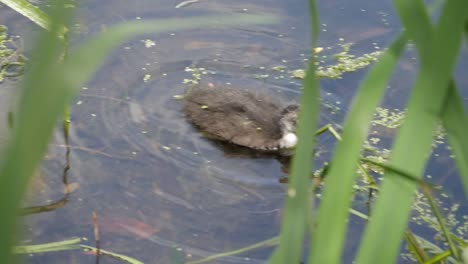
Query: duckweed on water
(148, 43)
(196, 74)
(146, 78)
(345, 62)
(11, 60)
(432, 239)
(394, 118)
(338, 64)
(388, 118)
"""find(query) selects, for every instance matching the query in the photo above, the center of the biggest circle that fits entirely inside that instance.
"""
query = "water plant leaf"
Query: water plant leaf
(439, 257)
(415, 248)
(455, 123)
(121, 257)
(33, 13)
(440, 221)
(266, 243)
(69, 244)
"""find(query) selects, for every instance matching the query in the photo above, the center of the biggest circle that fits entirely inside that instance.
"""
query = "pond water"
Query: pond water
(159, 188)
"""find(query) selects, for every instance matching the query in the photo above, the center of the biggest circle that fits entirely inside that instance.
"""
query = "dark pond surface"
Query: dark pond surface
(158, 187)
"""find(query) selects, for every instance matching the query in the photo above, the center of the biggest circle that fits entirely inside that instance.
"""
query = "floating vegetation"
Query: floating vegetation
(388, 118)
(261, 76)
(331, 66)
(280, 68)
(146, 78)
(424, 217)
(196, 74)
(11, 60)
(178, 97)
(345, 62)
(148, 43)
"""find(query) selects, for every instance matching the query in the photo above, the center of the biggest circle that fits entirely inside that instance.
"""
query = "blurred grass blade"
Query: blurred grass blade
(441, 222)
(39, 106)
(399, 172)
(48, 87)
(420, 29)
(466, 30)
(327, 242)
(33, 13)
(415, 248)
(414, 142)
(69, 244)
(439, 258)
(120, 257)
(266, 243)
(455, 122)
(297, 207)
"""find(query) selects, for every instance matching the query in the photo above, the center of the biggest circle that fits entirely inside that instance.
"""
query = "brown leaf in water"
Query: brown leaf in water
(126, 225)
(255, 48)
(364, 34)
(196, 45)
(71, 187)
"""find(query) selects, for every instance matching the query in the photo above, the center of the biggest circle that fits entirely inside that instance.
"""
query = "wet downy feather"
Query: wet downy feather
(242, 117)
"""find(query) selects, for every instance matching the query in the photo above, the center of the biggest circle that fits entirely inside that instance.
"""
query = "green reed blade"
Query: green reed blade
(327, 242)
(413, 144)
(266, 243)
(415, 248)
(441, 222)
(69, 244)
(455, 122)
(120, 257)
(33, 13)
(34, 123)
(297, 207)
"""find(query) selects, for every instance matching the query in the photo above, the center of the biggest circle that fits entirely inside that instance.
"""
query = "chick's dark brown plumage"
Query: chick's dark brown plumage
(237, 116)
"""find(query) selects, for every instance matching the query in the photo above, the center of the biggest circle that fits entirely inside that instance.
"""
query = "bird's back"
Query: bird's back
(239, 116)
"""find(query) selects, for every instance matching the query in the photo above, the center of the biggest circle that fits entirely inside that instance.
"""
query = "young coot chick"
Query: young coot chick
(244, 118)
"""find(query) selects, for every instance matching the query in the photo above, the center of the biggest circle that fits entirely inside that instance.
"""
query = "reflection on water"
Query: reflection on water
(155, 182)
